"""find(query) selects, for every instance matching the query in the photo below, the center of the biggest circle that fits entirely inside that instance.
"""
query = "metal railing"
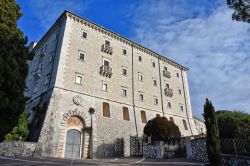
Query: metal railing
(166, 74)
(106, 48)
(106, 71)
(168, 92)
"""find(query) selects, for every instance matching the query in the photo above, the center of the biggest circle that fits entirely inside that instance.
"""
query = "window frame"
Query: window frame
(106, 110)
(141, 97)
(143, 117)
(104, 87)
(84, 36)
(184, 124)
(124, 111)
(79, 56)
(81, 78)
(126, 92)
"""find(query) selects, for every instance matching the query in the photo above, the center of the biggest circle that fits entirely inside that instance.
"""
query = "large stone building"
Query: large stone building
(90, 89)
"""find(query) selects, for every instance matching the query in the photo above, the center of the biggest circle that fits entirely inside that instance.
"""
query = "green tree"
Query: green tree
(21, 131)
(13, 66)
(241, 10)
(233, 124)
(161, 129)
(213, 142)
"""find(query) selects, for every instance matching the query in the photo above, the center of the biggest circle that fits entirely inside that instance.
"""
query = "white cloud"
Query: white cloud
(47, 11)
(202, 37)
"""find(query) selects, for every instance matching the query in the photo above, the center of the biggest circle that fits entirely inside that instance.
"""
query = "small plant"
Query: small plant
(21, 131)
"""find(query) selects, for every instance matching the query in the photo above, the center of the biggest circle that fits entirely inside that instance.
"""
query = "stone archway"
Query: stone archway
(74, 137)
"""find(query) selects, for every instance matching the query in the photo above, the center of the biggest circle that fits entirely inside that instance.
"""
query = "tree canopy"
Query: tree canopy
(233, 124)
(241, 10)
(13, 66)
(161, 129)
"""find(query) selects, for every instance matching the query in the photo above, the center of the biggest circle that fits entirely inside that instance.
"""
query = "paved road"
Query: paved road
(11, 161)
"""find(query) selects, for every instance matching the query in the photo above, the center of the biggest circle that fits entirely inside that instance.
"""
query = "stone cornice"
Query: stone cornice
(122, 39)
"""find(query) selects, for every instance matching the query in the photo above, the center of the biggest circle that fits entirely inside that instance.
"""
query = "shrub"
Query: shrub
(161, 129)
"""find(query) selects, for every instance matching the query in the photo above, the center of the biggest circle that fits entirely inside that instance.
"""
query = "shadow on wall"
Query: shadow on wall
(40, 111)
(115, 149)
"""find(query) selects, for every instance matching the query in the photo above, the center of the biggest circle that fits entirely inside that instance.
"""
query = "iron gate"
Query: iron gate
(136, 146)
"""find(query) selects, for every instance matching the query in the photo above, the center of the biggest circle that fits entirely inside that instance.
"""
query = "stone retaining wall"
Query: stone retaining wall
(17, 148)
(196, 149)
(228, 160)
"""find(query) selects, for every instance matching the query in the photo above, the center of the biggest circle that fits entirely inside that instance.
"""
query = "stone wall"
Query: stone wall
(160, 150)
(17, 148)
(235, 160)
(196, 149)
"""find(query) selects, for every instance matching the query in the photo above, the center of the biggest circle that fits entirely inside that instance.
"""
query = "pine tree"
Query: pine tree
(13, 66)
(213, 142)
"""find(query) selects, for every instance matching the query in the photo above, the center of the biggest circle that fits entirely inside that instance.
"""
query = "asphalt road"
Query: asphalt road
(13, 161)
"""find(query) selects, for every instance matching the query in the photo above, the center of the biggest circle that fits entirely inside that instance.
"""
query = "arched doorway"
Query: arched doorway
(74, 138)
(73, 144)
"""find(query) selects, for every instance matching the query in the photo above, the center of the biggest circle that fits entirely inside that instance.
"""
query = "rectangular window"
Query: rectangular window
(35, 88)
(81, 56)
(124, 52)
(165, 68)
(124, 71)
(105, 87)
(141, 98)
(182, 109)
(177, 75)
(106, 63)
(179, 91)
(140, 77)
(84, 35)
(143, 117)
(155, 83)
(78, 79)
(185, 124)
(52, 55)
(171, 119)
(124, 92)
(169, 105)
(107, 42)
(106, 110)
(156, 101)
(47, 79)
(153, 64)
(140, 58)
(167, 85)
(125, 113)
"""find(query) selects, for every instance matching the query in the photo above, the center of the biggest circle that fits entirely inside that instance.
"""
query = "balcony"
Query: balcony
(166, 74)
(106, 71)
(38, 73)
(106, 48)
(168, 92)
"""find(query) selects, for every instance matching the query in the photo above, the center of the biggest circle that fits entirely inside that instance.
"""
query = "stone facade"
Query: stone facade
(77, 67)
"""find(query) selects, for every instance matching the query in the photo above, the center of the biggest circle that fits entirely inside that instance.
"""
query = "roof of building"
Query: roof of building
(134, 43)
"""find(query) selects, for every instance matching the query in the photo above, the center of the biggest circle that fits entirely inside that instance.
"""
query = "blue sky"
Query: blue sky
(197, 34)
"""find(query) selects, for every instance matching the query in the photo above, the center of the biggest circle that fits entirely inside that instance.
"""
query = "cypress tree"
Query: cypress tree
(213, 141)
(13, 66)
